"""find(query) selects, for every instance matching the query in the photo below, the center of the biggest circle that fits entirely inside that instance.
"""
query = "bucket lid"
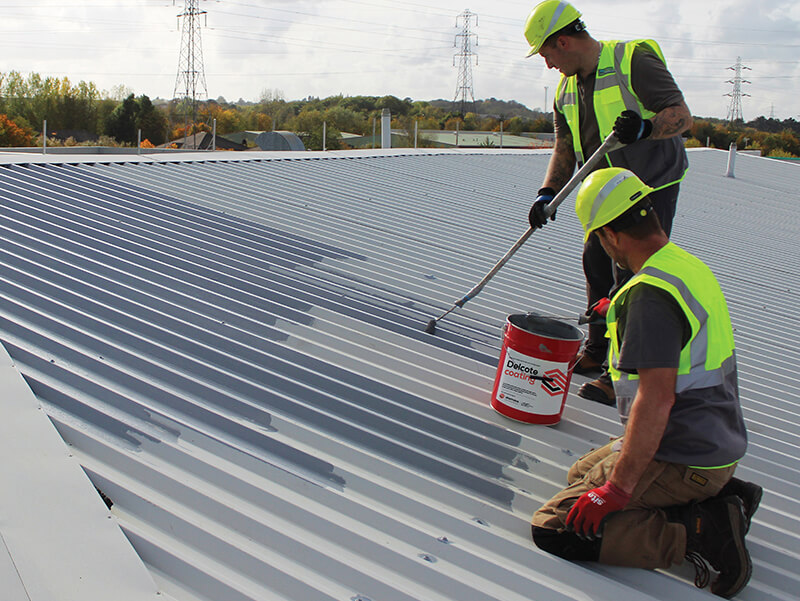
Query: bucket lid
(545, 326)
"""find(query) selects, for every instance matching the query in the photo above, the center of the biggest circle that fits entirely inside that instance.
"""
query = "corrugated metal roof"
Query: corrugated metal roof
(47, 504)
(236, 351)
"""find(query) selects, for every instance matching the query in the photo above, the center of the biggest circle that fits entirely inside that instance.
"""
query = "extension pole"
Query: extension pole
(610, 143)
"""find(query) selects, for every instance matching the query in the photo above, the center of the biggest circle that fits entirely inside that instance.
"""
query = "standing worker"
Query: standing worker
(664, 490)
(607, 86)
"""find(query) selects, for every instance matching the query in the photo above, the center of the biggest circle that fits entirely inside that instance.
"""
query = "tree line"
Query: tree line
(117, 117)
(81, 113)
(771, 137)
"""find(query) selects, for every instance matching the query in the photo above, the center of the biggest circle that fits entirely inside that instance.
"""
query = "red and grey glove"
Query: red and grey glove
(596, 313)
(587, 517)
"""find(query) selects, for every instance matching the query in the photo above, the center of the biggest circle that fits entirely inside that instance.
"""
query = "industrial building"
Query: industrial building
(219, 387)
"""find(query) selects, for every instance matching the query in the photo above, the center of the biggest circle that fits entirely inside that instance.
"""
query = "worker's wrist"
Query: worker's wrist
(647, 129)
(618, 491)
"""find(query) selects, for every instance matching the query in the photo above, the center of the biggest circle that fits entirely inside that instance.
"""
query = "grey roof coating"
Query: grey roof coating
(47, 503)
(235, 352)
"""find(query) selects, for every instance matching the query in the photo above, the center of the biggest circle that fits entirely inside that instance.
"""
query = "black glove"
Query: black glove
(630, 127)
(536, 216)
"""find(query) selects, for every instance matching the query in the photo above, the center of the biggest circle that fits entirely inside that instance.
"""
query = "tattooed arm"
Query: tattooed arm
(562, 162)
(671, 121)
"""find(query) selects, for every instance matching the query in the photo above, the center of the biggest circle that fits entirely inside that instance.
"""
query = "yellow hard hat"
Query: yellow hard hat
(546, 19)
(605, 195)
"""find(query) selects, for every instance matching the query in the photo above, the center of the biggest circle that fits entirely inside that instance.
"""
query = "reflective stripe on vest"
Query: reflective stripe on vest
(708, 357)
(613, 92)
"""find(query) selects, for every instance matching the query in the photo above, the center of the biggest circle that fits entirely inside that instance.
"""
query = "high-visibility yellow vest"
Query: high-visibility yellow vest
(613, 93)
(709, 353)
(705, 428)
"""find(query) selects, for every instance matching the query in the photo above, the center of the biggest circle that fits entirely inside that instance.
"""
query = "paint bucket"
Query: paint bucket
(535, 368)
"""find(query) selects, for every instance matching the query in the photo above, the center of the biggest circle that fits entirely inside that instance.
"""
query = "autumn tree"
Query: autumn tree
(263, 122)
(188, 129)
(702, 130)
(785, 143)
(716, 135)
(471, 122)
(454, 123)
(542, 125)
(515, 125)
(228, 118)
(12, 134)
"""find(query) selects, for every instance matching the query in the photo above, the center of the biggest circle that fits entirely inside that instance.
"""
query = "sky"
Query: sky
(299, 48)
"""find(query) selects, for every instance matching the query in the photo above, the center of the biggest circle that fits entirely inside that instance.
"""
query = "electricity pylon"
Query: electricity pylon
(190, 83)
(464, 41)
(735, 107)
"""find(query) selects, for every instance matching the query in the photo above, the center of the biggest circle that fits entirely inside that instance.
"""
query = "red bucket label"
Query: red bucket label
(532, 385)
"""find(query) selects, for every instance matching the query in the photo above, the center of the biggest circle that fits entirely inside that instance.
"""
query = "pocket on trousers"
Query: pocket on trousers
(707, 482)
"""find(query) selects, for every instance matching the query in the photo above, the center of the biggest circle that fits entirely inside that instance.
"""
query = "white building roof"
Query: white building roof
(234, 350)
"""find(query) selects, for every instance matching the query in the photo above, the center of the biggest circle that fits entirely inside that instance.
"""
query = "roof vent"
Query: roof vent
(386, 128)
(731, 160)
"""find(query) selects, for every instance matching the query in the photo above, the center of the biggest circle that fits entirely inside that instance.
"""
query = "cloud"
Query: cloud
(377, 47)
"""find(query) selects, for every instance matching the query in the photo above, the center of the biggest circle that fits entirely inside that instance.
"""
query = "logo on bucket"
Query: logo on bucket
(530, 384)
(555, 382)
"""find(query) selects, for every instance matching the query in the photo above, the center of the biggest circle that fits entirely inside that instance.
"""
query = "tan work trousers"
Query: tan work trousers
(640, 535)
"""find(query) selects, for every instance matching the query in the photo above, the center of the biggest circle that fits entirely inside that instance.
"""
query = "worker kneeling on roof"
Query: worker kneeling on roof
(664, 490)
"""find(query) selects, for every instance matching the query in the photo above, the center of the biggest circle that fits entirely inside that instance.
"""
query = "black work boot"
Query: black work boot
(750, 494)
(715, 532)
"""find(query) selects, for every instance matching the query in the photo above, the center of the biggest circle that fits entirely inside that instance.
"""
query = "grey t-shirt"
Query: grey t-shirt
(705, 426)
(657, 162)
(650, 315)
